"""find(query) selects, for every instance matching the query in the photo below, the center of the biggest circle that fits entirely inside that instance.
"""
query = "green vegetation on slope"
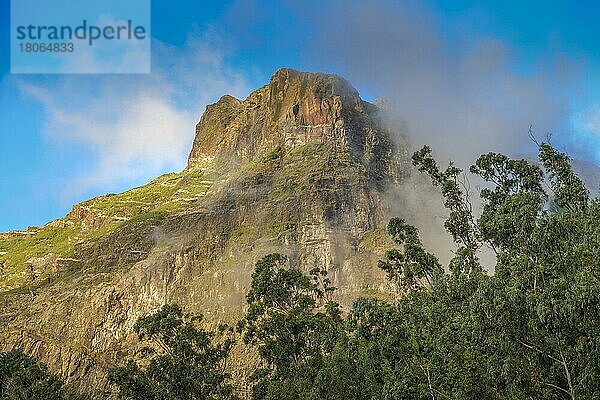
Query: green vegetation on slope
(92, 220)
(313, 169)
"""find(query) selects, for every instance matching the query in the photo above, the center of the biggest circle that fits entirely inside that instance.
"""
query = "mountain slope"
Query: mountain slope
(300, 167)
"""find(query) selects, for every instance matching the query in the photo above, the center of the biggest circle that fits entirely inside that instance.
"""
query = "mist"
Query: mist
(444, 88)
(463, 96)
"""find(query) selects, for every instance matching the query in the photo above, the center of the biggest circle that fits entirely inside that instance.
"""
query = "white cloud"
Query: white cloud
(136, 126)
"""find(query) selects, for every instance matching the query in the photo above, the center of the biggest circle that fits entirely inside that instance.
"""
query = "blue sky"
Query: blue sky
(467, 76)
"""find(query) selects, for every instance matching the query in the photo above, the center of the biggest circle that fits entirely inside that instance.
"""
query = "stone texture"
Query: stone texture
(301, 167)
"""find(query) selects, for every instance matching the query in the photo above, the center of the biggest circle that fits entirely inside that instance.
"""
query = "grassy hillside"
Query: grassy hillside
(41, 252)
(21, 252)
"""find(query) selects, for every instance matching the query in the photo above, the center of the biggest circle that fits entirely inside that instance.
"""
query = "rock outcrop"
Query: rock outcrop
(293, 109)
(300, 167)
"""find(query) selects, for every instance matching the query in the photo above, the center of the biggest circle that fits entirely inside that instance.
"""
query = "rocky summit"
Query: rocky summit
(300, 167)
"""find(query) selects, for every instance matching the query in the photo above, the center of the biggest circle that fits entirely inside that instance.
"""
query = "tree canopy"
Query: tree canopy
(22, 377)
(529, 330)
(179, 360)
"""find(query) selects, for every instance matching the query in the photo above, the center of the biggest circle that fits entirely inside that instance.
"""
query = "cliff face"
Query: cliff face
(293, 109)
(299, 167)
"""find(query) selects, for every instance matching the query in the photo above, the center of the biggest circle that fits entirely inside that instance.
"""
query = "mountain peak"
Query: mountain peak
(193, 237)
(293, 109)
(229, 100)
(320, 84)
